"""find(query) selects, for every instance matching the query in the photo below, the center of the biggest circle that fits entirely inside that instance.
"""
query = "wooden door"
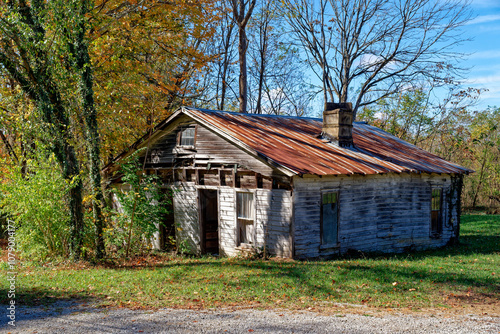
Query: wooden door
(167, 230)
(209, 221)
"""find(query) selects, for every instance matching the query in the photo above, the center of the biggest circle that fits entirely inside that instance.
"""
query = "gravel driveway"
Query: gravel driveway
(72, 317)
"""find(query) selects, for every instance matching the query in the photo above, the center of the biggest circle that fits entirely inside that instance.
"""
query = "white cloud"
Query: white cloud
(485, 54)
(483, 80)
(490, 97)
(380, 116)
(484, 19)
(485, 3)
(492, 85)
(370, 60)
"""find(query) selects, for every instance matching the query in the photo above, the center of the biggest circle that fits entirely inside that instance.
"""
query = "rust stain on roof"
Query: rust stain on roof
(295, 143)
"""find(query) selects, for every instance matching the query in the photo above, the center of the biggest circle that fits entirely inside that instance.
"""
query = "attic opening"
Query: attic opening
(221, 175)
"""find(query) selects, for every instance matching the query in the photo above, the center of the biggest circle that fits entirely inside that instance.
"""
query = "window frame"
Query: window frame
(245, 220)
(321, 228)
(436, 228)
(181, 132)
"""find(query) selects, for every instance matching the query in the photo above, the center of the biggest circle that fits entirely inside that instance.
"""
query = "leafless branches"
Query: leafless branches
(365, 50)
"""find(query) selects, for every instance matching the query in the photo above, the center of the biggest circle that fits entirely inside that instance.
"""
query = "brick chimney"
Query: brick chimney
(337, 123)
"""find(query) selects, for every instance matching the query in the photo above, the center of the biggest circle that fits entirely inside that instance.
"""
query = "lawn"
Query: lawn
(463, 276)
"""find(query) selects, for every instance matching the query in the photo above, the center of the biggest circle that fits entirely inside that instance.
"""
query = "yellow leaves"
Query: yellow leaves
(144, 56)
(87, 198)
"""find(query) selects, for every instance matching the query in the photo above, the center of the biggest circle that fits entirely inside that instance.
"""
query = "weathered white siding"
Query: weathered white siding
(273, 217)
(186, 218)
(389, 213)
(273, 221)
(227, 221)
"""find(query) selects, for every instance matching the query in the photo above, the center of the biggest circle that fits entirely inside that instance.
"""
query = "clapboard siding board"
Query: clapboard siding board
(385, 213)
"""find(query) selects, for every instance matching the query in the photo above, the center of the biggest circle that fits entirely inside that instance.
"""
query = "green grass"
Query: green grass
(456, 276)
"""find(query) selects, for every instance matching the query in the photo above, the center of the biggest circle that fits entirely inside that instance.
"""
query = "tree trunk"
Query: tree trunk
(225, 66)
(258, 107)
(50, 104)
(224, 86)
(241, 18)
(76, 208)
(242, 49)
(10, 150)
(66, 156)
(262, 71)
(92, 132)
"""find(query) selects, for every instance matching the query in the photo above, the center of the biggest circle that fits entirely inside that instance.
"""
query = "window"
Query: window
(245, 226)
(436, 211)
(186, 136)
(329, 218)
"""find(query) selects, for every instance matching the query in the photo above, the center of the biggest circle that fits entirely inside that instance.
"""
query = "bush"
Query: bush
(36, 202)
(139, 211)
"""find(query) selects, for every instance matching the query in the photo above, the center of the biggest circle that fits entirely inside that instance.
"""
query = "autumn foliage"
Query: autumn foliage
(147, 56)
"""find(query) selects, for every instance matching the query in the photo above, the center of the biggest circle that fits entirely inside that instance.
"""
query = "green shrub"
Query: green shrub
(139, 212)
(36, 202)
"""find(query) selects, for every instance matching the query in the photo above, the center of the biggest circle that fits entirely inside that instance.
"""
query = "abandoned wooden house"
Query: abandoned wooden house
(301, 187)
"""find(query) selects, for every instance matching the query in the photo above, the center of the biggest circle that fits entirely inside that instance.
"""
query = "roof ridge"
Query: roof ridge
(251, 114)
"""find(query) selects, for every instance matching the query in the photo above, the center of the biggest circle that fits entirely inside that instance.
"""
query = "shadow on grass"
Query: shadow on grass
(42, 297)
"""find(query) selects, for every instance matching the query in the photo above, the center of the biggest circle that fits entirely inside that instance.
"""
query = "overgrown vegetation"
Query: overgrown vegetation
(141, 211)
(456, 277)
(35, 200)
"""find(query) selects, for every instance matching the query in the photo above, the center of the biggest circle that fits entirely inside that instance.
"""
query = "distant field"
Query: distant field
(464, 276)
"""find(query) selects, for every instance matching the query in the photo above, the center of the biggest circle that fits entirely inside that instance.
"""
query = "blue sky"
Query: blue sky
(484, 60)
(482, 57)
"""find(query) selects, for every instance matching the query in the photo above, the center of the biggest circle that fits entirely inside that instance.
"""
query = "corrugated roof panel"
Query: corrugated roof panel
(295, 143)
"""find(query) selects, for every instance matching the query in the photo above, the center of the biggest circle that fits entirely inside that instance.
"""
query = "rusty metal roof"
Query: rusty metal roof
(295, 144)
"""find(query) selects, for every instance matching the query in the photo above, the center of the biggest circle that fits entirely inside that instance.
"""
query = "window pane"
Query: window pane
(244, 205)
(436, 199)
(329, 198)
(325, 198)
(329, 223)
(436, 206)
(246, 232)
(187, 137)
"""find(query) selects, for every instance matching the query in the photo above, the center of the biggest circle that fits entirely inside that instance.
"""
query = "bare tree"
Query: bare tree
(216, 84)
(225, 56)
(371, 49)
(276, 80)
(262, 32)
(242, 11)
